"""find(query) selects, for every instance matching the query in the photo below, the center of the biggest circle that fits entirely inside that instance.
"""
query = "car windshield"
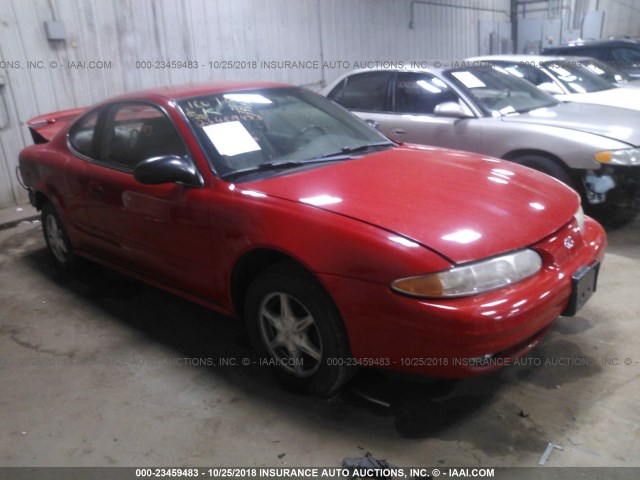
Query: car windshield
(274, 129)
(497, 92)
(576, 78)
(605, 71)
(629, 56)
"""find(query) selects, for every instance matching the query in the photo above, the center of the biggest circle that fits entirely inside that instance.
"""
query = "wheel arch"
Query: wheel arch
(251, 263)
(513, 155)
(48, 193)
(39, 199)
(575, 177)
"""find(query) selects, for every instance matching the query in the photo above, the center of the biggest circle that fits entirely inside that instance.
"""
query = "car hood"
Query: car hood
(624, 97)
(462, 205)
(633, 72)
(611, 122)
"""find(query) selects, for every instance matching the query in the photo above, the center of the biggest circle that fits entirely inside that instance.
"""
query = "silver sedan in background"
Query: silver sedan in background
(485, 109)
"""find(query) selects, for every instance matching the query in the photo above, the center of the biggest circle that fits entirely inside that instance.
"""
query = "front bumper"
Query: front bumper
(455, 337)
(615, 185)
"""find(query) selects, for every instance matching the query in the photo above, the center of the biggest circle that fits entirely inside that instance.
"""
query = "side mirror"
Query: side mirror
(551, 88)
(451, 109)
(167, 169)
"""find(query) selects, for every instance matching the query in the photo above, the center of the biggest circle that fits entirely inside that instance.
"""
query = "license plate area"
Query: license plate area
(583, 284)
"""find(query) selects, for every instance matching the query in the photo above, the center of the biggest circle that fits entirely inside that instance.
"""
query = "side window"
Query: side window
(336, 93)
(364, 91)
(82, 134)
(626, 56)
(420, 93)
(137, 131)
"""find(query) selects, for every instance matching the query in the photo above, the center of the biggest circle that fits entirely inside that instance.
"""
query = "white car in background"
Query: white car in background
(609, 72)
(566, 78)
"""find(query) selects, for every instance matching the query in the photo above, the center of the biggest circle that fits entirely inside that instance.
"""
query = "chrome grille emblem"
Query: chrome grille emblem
(569, 243)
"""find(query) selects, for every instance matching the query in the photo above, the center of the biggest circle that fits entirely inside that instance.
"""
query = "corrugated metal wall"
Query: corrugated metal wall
(379, 29)
(622, 17)
(43, 76)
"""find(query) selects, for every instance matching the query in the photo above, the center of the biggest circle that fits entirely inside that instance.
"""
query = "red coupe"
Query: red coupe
(337, 246)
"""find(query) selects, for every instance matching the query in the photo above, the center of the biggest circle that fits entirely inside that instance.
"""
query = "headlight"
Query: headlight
(579, 216)
(627, 156)
(473, 278)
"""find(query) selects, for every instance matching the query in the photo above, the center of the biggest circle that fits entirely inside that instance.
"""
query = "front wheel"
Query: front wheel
(57, 240)
(292, 321)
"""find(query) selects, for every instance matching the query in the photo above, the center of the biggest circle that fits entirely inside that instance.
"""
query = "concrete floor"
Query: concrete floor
(94, 370)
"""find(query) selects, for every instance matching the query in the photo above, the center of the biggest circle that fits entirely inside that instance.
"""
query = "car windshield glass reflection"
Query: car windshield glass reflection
(606, 71)
(576, 78)
(276, 129)
(497, 92)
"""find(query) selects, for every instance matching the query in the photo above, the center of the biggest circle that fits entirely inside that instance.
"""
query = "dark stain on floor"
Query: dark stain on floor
(557, 362)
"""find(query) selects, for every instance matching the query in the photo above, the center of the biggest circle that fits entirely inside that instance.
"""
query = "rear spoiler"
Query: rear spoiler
(44, 127)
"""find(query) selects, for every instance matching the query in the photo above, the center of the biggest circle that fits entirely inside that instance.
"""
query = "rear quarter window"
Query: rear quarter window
(82, 134)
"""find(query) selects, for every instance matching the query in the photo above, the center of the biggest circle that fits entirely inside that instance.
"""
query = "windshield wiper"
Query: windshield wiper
(274, 165)
(345, 151)
(329, 157)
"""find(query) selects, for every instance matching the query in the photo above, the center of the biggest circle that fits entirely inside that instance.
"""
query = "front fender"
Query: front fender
(574, 148)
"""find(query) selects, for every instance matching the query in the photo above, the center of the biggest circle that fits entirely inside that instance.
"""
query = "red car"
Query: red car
(337, 246)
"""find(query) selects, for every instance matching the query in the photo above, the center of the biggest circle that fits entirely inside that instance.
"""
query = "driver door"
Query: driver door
(160, 231)
(414, 98)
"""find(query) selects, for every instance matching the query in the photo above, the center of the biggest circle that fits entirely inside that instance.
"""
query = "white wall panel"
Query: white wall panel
(379, 30)
(621, 18)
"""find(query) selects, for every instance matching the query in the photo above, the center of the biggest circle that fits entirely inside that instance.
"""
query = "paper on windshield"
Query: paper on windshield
(231, 138)
(469, 79)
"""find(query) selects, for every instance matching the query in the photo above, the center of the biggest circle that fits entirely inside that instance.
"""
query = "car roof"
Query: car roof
(523, 58)
(596, 43)
(178, 92)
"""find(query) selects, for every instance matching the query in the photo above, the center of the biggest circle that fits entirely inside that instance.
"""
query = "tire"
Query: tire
(57, 239)
(546, 165)
(611, 215)
(296, 326)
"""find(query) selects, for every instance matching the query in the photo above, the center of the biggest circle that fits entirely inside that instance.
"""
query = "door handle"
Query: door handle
(398, 131)
(96, 189)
